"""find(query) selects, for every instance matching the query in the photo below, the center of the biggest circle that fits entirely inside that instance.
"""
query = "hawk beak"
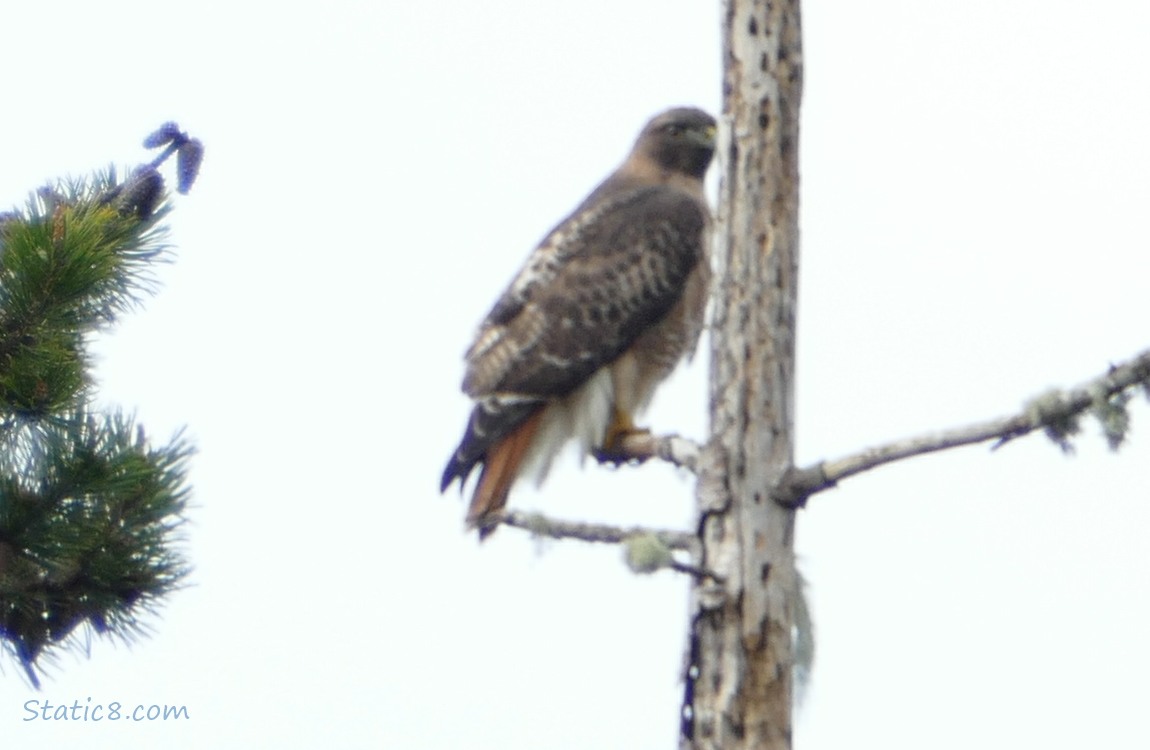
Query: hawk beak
(704, 136)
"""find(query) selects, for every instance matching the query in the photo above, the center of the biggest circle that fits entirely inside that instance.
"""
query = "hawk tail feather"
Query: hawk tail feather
(492, 420)
(500, 469)
(456, 468)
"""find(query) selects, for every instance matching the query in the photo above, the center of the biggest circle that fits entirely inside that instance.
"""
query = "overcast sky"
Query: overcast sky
(975, 178)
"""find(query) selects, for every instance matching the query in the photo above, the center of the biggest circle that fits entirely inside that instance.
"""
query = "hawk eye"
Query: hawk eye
(674, 129)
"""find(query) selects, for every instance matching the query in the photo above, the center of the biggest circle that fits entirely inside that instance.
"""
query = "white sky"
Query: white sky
(975, 192)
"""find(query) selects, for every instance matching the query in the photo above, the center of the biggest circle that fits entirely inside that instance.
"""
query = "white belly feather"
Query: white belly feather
(582, 416)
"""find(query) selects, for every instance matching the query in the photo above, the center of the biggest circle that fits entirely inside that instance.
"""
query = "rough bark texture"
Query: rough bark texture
(739, 679)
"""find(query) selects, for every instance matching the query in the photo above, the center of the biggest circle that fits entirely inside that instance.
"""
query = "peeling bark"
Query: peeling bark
(739, 676)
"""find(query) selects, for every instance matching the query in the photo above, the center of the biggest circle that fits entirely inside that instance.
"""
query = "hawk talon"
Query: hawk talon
(616, 459)
(613, 451)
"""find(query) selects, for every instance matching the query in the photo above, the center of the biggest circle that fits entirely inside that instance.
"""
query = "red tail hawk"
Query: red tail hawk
(599, 315)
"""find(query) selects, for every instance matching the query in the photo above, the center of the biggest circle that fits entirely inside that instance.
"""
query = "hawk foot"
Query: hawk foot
(614, 450)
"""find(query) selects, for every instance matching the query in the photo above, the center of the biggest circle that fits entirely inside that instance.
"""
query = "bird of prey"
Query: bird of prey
(600, 314)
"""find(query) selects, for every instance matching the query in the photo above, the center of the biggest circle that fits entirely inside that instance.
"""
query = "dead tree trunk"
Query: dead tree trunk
(739, 682)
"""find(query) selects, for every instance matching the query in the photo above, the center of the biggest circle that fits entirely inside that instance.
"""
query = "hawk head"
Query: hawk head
(679, 140)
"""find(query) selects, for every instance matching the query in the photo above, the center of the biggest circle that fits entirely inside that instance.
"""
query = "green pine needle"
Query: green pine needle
(91, 513)
(70, 264)
(89, 519)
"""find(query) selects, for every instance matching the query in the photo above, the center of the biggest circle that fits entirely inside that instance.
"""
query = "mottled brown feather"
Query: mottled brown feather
(621, 282)
(629, 272)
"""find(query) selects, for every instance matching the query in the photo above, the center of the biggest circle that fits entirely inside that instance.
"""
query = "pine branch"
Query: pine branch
(89, 519)
(70, 264)
(1056, 412)
(90, 512)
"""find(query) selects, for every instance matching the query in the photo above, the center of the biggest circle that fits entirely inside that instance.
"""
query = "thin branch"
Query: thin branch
(1055, 412)
(541, 525)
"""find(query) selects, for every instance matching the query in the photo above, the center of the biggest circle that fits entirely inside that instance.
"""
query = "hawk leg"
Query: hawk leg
(612, 450)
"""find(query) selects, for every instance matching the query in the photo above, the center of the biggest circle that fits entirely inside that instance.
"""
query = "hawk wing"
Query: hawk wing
(597, 282)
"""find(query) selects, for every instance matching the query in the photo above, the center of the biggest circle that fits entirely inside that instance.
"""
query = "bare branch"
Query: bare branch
(1055, 412)
(540, 525)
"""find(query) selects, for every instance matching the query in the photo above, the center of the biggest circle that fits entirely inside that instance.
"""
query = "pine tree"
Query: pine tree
(91, 511)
